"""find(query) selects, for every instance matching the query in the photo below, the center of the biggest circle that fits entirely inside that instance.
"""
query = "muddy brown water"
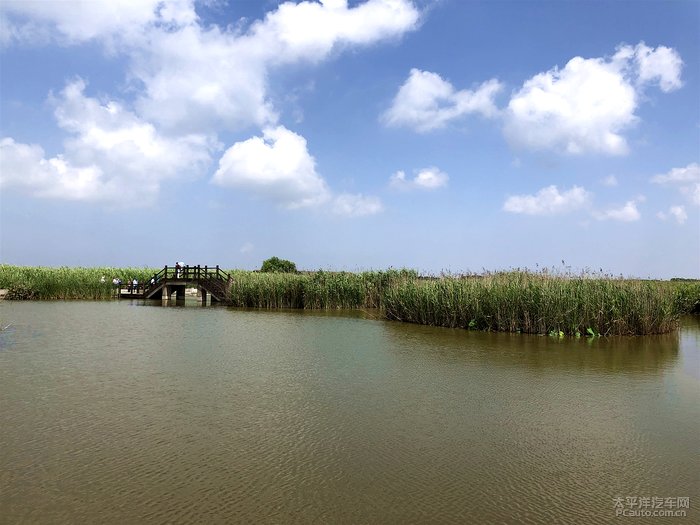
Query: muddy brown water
(117, 412)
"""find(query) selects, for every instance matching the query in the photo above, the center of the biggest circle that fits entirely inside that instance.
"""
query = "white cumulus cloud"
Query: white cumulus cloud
(198, 76)
(277, 166)
(426, 179)
(548, 201)
(75, 21)
(688, 174)
(311, 30)
(426, 102)
(626, 213)
(584, 107)
(111, 155)
(686, 179)
(662, 65)
(190, 79)
(679, 213)
(589, 104)
(194, 77)
(25, 166)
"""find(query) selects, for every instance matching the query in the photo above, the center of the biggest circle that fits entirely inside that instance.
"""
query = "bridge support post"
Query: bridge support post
(213, 284)
(177, 289)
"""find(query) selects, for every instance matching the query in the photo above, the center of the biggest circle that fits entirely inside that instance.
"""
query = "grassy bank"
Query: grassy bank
(513, 301)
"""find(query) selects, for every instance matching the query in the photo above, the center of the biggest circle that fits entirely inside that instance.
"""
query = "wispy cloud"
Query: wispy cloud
(688, 174)
(625, 213)
(686, 179)
(610, 181)
(548, 201)
(677, 212)
(426, 179)
(356, 205)
(426, 102)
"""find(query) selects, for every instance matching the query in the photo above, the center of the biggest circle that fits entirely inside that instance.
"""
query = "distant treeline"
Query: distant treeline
(514, 301)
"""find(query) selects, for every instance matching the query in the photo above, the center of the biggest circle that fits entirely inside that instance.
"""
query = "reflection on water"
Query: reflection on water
(121, 413)
(625, 355)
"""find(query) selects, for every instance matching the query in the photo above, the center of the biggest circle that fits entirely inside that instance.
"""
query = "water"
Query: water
(114, 412)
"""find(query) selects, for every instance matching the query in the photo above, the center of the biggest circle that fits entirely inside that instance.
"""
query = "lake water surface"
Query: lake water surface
(117, 412)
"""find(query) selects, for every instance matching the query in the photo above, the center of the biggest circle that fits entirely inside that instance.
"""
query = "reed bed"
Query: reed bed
(313, 290)
(687, 294)
(537, 303)
(514, 301)
(32, 282)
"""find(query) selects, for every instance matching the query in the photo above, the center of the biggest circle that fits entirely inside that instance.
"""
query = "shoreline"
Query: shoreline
(547, 303)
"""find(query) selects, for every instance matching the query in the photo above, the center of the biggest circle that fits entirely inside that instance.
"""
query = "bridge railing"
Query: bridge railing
(193, 273)
(131, 288)
(183, 273)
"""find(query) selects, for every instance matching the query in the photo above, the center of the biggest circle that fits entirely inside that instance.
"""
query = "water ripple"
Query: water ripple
(124, 414)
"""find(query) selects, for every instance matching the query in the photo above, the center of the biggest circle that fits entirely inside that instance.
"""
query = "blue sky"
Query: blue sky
(450, 135)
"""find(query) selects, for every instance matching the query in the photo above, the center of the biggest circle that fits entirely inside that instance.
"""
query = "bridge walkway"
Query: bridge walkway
(209, 280)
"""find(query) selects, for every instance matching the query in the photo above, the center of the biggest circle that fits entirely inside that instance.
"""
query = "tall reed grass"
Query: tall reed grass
(687, 296)
(515, 301)
(314, 290)
(32, 282)
(537, 303)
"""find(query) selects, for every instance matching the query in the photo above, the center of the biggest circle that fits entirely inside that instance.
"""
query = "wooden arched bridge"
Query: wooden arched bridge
(209, 280)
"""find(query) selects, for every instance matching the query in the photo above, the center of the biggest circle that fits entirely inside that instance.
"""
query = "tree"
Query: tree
(275, 264)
